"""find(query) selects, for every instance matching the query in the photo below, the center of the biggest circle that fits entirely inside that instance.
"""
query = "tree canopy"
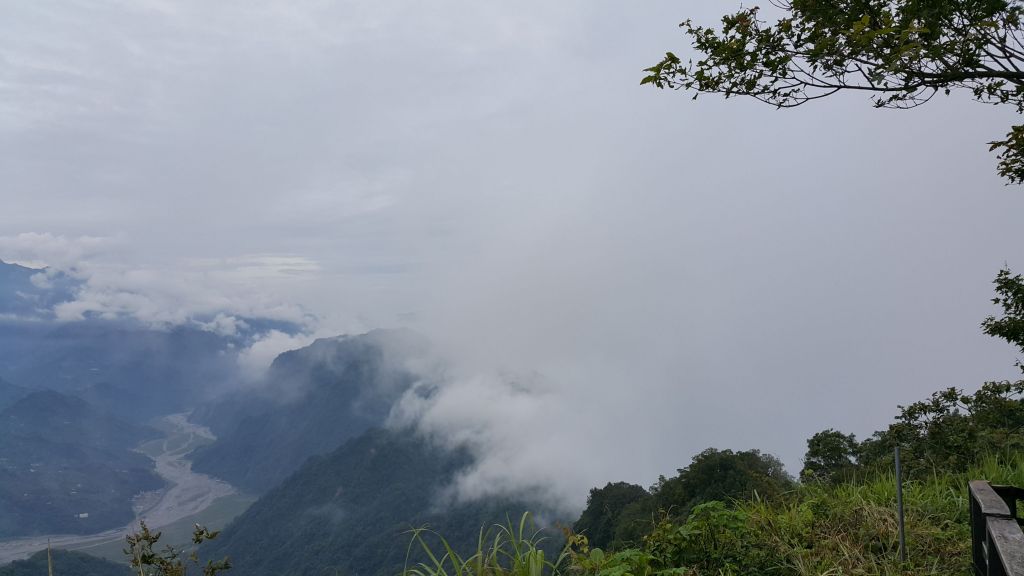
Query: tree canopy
(831, 457)
(602, 521)
(722, 475)
(1010, 297)
(901, 52)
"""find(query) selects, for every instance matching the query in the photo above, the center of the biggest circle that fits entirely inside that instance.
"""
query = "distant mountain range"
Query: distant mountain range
(121, 365)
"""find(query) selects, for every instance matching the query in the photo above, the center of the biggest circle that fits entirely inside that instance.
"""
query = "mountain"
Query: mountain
(349, 511)
(65, 563)
(31, 293)
(315, 399)
(66, 467)
(9, 393)
(124, 367)
(136, 370)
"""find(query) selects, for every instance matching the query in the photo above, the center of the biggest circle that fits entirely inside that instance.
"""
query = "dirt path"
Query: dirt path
(187, 493)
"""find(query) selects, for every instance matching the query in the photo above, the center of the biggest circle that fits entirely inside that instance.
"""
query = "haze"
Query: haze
(621, 277)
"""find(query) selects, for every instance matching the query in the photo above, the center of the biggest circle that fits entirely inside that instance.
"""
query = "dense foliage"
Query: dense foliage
(902, 52)
(737, 513)
(831, 457)
(847, 528)
(602, 520)
(622, 514)
(147, 558)
(844, 529)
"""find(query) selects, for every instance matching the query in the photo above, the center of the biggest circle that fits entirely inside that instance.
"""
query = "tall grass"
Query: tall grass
(502, 550)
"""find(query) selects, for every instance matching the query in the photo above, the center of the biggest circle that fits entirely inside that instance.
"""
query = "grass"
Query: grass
(503, 550)
(816, 530)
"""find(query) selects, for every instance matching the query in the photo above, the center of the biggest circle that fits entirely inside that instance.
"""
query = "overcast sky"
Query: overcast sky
(666, 275)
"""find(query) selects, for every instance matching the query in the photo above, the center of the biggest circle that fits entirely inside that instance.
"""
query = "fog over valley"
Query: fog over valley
(352, 244)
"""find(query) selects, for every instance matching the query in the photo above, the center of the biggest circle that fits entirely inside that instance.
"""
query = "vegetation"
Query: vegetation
(732, 513)
(504, 549)
(68, 468)
(831, 457)
(900, 52)
(170, 561)
(318, 397)
(347, 511)
(65, 563)
(840, 520)
(847, 528)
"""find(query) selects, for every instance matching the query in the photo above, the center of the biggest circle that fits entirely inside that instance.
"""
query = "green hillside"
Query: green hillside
(350, 511)
(315, 399)
(67, 468)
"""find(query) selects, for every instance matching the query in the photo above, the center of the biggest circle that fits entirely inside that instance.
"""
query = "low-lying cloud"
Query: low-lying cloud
(669, 275)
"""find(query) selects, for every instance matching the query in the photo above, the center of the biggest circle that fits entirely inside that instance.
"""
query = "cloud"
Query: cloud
(504, 423)
(212, 293)
(44, 249)
(177, 294)
(678, 275)
(224, 325)
(255, 359)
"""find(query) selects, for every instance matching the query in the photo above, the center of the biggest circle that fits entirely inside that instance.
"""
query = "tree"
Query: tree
(951, 430)
(1010, 296)
(722, 475)
(902, 52)
(605, 506)
(831, 457)
(145, 561)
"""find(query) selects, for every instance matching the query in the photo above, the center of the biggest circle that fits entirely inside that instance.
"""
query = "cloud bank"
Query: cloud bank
(673, 275)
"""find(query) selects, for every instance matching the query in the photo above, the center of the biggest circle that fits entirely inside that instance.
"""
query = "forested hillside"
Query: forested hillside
(314, 399)
(68, 468)
(350, 511)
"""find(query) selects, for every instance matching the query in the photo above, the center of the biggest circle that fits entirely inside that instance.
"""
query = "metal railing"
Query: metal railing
(997, 542)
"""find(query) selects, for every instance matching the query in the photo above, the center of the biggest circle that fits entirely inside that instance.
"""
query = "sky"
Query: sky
(621, 276)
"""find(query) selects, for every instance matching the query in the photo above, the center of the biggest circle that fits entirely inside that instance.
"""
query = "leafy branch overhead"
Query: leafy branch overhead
(901, 52)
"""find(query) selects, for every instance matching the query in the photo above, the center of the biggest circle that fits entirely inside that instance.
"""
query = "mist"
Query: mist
(615, 277)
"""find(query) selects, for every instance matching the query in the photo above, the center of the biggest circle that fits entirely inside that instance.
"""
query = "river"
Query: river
(187, 493)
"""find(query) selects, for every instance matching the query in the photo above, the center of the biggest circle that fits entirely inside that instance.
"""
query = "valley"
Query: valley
(187, 494)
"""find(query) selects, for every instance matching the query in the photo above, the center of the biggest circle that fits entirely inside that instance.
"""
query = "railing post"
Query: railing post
(978, 536)
(997, 542)
(899, 506)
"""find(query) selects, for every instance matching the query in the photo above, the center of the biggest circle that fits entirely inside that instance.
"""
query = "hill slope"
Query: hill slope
(31, 293)
(9, 393)
(349, 511)
(61, 458)
(315, 399)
